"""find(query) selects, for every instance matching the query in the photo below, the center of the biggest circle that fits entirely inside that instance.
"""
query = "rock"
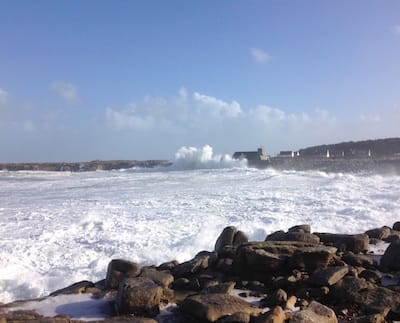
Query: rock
(238, 317)
(358, 260)
(118, 269)
(372, 276)
(240, 237)
(279, 297)
(198, 263)
(365, 294)
(306, 228)
(390, 259)
(130, 319)
(310, 258)
(139, 296)
(168, 265)
(224, 265)
(396, 226)
(225, 238)
(373, 318)
(291, 303)
(223, 288)
(212, 307)
(162, 278)
(293, 236)
(256, 260)
(315, 313)
(77, 288)
(356, 243)
(276, 315)
(379, 233)
(328, 276)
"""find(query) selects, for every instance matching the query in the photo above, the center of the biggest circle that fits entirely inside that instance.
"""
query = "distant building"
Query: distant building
(286, 154)
(251, 155)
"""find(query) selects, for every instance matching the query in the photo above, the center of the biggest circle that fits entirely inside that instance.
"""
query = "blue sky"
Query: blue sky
(84, 80)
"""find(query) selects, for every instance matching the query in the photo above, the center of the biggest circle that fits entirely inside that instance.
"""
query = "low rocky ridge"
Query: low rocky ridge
(295, 276)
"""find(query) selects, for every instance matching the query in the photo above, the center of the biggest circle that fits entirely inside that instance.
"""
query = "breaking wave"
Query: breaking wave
(191, 158)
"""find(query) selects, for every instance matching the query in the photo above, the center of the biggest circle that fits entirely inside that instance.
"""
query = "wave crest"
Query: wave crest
(190, 158)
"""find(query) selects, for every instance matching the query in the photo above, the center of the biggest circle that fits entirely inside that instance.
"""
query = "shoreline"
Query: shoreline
(385, 165)
(287, 277)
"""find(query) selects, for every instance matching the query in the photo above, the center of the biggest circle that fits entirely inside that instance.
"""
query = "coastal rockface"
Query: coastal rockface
(293, 276)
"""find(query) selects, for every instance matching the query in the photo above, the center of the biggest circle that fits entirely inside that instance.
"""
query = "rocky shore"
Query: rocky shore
(82, 166)
(294, 276)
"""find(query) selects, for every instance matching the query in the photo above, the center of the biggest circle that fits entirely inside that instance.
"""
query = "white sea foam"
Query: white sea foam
(58, 228)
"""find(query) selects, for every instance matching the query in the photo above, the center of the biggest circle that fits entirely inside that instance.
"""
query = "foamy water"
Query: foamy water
(58, 228)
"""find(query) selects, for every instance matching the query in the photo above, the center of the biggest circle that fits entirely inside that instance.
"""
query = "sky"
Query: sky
(119, 79)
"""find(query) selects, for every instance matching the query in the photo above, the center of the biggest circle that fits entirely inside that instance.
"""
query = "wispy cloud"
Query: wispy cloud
(3, 96)
(396, 29)
(67, 91)
(259, 55)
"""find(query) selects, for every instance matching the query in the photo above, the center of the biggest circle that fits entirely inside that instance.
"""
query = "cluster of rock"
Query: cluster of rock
(297, 276)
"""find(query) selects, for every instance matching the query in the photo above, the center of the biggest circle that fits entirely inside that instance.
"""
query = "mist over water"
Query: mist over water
(59, 228)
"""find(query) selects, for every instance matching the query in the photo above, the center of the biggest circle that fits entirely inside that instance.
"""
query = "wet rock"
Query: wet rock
(197, 264)
(390, 259)
(162, 278)
(279, 297)
(77, 288)
(130, 319)
(240, 237)
(168, 265)
(139, 296)
(212, 307)
(328, 276)
(225, 238)
(294, 236)
(306, 228)
(315, 313)
(356, 243)
(379, 233)
(118, 269)
(396, 226)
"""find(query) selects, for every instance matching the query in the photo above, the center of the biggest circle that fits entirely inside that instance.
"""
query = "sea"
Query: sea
(57, 228)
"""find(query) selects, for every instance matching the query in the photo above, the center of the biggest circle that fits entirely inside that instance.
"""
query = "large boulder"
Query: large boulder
(262, 258)
(139, 296)
(315, 313)
(293, 236)
(328, 276)
(356, 243)
(230, 237)
(212, 307)
(202, 261)
(118, 269)
(391, 258)
(367, 295)
(162, 278)
(379, 233)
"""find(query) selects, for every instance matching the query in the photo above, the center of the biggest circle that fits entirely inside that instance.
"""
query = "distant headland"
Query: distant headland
(369, 155)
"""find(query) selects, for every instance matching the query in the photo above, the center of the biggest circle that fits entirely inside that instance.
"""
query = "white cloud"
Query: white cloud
(3, 96)
(67, 91)
(370, 118)
(259, 55)
(127, 119)
(220, 107)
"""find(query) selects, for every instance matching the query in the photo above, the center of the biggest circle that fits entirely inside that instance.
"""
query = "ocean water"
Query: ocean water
(59, 228)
